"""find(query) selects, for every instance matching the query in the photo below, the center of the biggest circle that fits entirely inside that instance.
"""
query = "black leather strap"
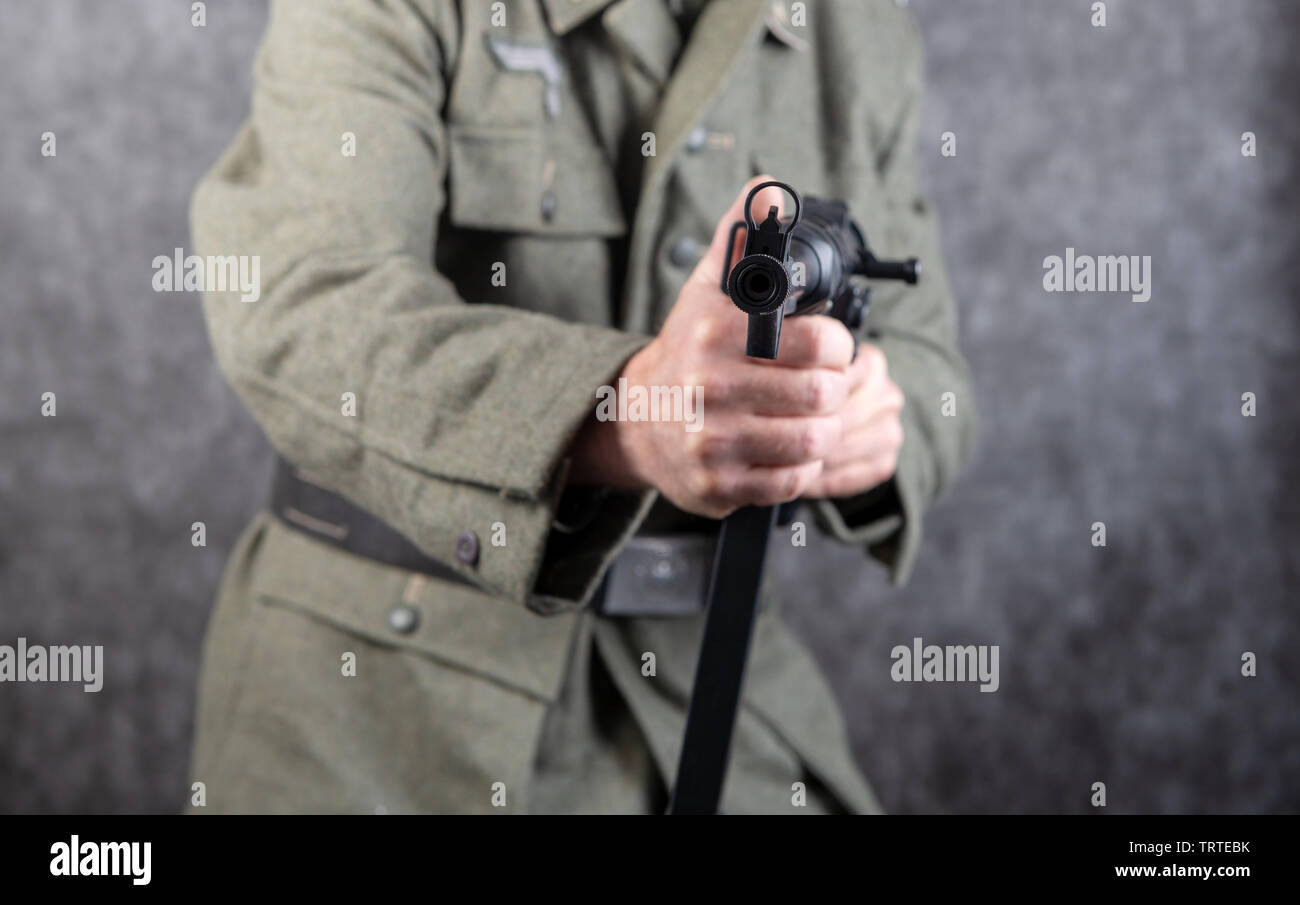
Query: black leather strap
(660, 575)
(326, 516)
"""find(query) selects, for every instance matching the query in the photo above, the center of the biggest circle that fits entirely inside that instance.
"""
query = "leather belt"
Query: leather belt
(654, 575)
(301, 503)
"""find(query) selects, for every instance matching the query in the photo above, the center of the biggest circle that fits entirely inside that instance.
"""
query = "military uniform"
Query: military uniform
(497, 247)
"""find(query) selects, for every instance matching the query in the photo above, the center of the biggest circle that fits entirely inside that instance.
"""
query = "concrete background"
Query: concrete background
(1119, 664)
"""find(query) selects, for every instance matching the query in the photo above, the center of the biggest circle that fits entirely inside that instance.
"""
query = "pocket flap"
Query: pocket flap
(460, 626)
(516, 179)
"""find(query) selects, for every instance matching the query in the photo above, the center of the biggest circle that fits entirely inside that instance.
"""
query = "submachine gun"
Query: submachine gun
(812, 262)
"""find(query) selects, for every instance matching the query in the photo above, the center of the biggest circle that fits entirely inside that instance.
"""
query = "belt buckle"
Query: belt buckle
(660, 575)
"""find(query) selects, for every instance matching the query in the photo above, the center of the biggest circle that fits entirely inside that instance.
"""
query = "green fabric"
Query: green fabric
(557, 709)
(381, 278)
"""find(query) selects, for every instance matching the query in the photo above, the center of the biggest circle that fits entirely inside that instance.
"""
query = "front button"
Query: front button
(697, 140)
(467, 547)
(403, 619)
(684, 252)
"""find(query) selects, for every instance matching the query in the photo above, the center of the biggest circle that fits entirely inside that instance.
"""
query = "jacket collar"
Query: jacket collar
(564, 15)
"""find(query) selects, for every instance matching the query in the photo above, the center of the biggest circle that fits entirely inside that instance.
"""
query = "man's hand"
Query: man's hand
(872, 431)
(814, 422)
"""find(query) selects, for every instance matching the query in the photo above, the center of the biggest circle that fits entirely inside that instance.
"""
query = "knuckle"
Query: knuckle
(718, 511)
(720, 386)
(819, 391)
(816, 438)
(807, 477)
(781, 486)
(724, 489)
(706, 332)
(834, 342)
(817, 338)
(712, 445)
(805, 442)
(702, 484)
(875, 359)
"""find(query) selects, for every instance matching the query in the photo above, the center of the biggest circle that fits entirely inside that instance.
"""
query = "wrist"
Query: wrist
(608, 452)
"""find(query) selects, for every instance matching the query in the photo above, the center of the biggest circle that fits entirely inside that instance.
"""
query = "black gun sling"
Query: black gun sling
(720, 670)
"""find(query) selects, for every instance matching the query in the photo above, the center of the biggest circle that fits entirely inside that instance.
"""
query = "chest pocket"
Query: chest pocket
(529, 179)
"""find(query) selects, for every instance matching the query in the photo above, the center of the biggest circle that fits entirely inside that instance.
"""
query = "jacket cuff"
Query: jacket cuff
(590, 528)
(497, 537)
(562, 539)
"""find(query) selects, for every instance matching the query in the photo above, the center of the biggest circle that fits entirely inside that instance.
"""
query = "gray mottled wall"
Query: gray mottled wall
(1119, 664)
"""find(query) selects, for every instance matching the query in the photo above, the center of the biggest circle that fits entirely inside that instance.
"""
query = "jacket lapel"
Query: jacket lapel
(646, 31)
(722, 34)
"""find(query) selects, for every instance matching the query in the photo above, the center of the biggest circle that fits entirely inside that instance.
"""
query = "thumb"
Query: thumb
(709, 268)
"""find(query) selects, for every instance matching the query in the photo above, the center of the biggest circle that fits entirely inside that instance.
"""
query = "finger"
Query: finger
(773, 486)
(850, 480)
(755, 440)
(882, 435)
(751, 387)
(815, 342)
(868, 403)
(869, 365)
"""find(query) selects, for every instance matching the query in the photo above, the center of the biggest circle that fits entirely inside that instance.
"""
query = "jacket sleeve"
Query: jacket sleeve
(463, 410)
(916, 328)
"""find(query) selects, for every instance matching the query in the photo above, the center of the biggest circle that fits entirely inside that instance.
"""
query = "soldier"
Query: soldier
(468, 593)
